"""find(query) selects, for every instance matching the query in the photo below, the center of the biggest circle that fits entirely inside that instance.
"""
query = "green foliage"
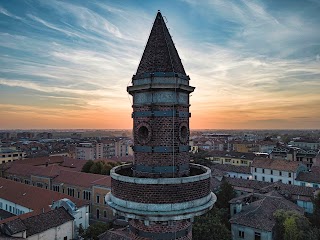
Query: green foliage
(224, 195)
(99, 167)
(94, 230)
(200, 158)
(293, 226)
(86, 167)
(211, 226)
(315, 218)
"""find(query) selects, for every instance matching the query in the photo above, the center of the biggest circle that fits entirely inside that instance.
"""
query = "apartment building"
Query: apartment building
(11, 154)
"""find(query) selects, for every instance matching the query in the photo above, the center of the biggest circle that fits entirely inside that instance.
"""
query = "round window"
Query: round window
(143, 133)
(183, 132)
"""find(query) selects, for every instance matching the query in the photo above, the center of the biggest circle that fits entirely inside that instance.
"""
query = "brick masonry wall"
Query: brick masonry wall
(160, 228)
(158, 194)
(162, 135)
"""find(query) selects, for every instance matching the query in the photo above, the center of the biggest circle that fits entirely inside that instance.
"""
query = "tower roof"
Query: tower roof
(160, 54)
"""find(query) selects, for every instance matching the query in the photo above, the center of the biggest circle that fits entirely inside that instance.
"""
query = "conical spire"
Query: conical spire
(160, 54)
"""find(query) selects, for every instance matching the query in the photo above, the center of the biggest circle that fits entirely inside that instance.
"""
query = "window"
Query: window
(315, 185)
(98, 214)
(56, 188)
(241, 234)
(65, 238)
(280, 173)
(303, 184)
(271, 179)
(255, 169)
(271, 172)
(289, 174)
(262, 170)
(255, 177)
(257, 236)
(78, 194)
(289, 182)
(262, 178)
(104, 213)
(98, 199)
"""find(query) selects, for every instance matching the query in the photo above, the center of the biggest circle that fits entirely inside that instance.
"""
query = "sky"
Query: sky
(67, 64)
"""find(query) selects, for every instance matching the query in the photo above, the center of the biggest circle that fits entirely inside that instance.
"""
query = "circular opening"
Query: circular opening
(184, 132)
(143, 132)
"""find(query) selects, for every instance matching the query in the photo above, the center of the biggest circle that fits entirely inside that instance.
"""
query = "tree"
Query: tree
(210, 226)
(315, 218)
(94, 230)
(86, 167)
(224, 195)
(96, 167)
(292, 226)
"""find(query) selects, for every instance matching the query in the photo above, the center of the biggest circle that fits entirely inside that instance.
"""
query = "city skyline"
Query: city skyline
(255, 64)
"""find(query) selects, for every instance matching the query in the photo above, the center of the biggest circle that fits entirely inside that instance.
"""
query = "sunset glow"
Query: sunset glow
(66, 64)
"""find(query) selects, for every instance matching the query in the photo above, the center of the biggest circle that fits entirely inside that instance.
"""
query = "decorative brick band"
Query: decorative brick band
(161, 149)
(161, 169)
(168, 113)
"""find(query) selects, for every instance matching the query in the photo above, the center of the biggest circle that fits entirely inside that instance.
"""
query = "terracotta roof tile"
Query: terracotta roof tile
(31, 197)
(276, 164)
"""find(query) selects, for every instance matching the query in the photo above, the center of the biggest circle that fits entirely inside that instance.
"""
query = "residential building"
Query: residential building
(305, 144)
(19, 199)
(310, 178)
(86, 151)
(11, 154)
(273, 170)
(253, 215)
(242, 172)
(55, 224)
(66, 180)
(233, 158)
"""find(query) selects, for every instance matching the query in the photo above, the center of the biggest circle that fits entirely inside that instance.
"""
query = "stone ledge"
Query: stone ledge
(190, 179)
(161, 212)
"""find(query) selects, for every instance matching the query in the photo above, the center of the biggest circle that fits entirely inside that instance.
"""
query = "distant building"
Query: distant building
(305, 144)
(11, 154)
(86, 151)
(233, 158)
(310, 178)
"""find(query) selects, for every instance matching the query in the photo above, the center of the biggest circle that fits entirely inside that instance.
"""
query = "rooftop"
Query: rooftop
(276, 164)
(251, 215)
(313, 176)
(38, 223)
(31, 197)
(160, 54)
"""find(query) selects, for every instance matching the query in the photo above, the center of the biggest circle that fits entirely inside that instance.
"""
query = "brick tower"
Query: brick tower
(161, 192)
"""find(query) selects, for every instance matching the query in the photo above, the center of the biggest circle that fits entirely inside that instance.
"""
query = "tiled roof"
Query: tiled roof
(276, 164)
(245, 183)
(15, 226)
(240, 155)
(42, 222)
(259, 214)
(313, 176)
(28, 170)
(160, 54)
(232, 168)
(289, 189)
(115, 234)
(39, 223)
(31, 197)
(82, 179)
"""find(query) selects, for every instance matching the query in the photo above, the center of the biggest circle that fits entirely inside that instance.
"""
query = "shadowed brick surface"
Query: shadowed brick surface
(160, 54)
(156, 193)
